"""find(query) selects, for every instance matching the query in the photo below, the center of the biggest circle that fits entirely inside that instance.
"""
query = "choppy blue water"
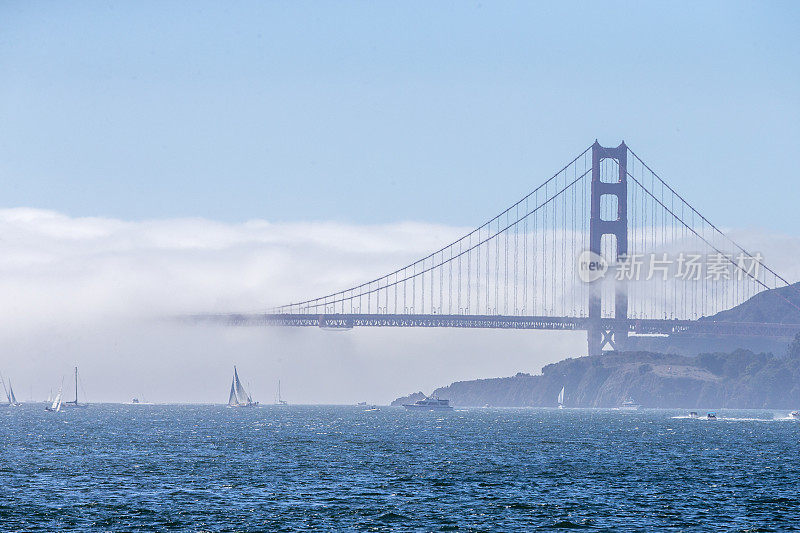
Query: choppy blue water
(208, 468)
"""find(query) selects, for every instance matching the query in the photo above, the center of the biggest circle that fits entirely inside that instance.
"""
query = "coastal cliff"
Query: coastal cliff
(741, 379)
(729, 372)
(410, 399)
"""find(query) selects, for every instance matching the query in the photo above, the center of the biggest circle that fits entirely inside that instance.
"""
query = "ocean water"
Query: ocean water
(295, 468)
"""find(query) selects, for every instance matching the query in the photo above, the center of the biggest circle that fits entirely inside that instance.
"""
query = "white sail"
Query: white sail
(242, 398)
(56, 406)
(232, 397)
(238, 396)
(5, 389)
(561, 397)
(13, 399)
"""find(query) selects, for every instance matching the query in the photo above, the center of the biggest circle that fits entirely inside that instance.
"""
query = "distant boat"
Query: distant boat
(693, 414)
(712, 416)
(74, 403)
(137, 401)
(561, 398)
(429, 404)
(795, 415)
(12, 400)
(278, 399)
(238, 396)
(629, 405)
(56, 405)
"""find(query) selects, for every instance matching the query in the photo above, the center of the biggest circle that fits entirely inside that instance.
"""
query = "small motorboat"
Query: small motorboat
(795, 415)
(712, 416)
(137, 401)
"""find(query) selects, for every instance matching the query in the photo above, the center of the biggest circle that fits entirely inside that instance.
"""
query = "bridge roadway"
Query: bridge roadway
(703, 327)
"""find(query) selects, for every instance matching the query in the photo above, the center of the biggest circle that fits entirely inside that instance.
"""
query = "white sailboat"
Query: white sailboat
(279, 400)
(12, 400)
(561, 398)
(55, 407)
(238, 396)
(74, 403)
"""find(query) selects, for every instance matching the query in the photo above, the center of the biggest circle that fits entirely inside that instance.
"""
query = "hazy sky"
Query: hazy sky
(165, 157)
(375, 112)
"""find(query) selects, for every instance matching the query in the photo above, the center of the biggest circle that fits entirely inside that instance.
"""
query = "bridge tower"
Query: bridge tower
(599, 336)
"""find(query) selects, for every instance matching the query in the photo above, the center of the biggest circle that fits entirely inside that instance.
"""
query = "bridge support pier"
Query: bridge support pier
(599, 337)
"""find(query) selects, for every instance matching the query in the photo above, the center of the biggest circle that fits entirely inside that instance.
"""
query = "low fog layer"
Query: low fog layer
(96, 292)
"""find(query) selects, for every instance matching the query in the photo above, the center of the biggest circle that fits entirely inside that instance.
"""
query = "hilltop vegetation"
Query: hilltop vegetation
(780, 306)
(776, 306)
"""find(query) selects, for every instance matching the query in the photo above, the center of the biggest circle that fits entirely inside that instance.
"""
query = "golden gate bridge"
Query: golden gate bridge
(605, 245)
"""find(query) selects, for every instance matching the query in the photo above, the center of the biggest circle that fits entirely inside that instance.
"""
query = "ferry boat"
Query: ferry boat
(629, 405)
(429, 403)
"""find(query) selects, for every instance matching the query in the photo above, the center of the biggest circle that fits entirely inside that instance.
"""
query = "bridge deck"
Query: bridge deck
(642, 326)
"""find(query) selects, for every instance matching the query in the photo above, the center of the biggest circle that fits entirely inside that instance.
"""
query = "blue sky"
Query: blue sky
(376, 112)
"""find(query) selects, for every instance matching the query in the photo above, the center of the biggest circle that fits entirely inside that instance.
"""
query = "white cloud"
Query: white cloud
(90, 291)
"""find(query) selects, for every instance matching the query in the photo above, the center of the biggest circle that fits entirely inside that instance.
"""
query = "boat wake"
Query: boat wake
(733, 419)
